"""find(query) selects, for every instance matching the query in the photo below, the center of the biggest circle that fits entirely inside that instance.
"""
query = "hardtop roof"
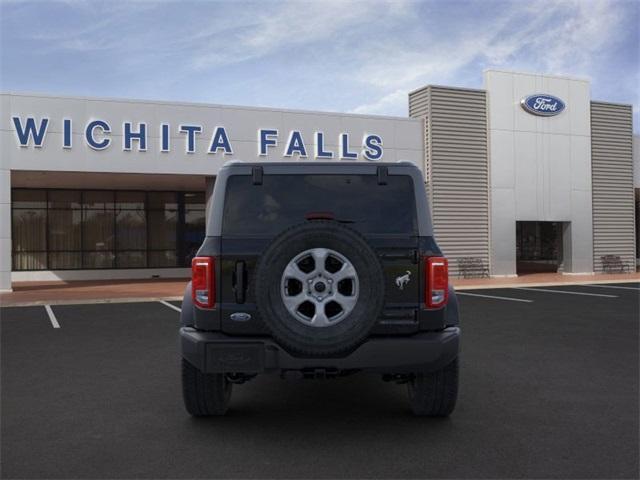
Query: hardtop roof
(311, 164)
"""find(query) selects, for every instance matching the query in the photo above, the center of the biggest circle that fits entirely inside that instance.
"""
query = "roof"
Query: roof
(311, 164)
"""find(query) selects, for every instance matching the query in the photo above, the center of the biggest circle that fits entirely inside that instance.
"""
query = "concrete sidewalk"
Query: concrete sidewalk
(54, 293)
(541, 280)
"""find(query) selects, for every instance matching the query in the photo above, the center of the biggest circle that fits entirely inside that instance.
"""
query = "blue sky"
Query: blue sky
(346, 56)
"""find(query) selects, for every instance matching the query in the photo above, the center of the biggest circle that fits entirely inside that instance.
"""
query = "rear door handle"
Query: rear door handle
(240, 284)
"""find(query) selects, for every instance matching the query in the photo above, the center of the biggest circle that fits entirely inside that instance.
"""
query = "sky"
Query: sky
(342, 55)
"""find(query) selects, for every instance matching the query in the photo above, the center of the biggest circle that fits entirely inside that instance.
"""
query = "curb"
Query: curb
(40, 303)
(544, 284)
(179, 298)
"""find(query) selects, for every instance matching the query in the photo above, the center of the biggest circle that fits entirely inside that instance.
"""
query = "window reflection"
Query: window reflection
(75, 229)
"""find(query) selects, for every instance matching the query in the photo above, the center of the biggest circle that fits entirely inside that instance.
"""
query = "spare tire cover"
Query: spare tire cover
(319, 289)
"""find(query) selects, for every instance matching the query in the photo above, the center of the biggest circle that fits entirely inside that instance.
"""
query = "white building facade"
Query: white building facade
(540, 166)
(101, 188)
(529, 174)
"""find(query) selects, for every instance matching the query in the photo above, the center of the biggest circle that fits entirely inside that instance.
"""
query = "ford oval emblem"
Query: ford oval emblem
(543, 105)
(240, 317)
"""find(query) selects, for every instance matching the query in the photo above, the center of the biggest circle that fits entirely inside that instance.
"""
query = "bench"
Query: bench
(613, 264)
(472, 267)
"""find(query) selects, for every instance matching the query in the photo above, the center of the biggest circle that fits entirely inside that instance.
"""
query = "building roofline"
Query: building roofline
(538, 74)
(466, 89)
(201, 104)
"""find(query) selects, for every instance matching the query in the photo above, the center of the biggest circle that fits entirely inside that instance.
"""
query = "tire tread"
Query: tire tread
(204, 394)
(434, 394)
(271, 315)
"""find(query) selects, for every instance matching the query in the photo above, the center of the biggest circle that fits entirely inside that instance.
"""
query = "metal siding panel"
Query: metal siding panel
(456, 150)
(612, 180)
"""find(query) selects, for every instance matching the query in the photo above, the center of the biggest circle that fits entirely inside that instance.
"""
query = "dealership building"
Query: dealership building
(526, 174)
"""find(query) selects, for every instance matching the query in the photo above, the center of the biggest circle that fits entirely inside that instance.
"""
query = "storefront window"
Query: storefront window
(64, 229)
(131, 230)
(98, 238)
(74, 229)
(194, 221)
(64, 199)
(98, 200)
(29, 227)
(29, 199)
(29, 239)
(163, 221)
(65, 238)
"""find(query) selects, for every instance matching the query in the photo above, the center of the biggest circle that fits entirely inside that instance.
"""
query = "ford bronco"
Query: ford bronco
(318, 270)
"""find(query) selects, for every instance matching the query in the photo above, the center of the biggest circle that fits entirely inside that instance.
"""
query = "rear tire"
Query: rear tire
(204, 394)
(434, 394)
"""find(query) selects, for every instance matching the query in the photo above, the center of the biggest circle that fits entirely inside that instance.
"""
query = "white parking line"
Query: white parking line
(493, 296)
(611, 286)
(567, 292)
(167, 304)
(52, 317)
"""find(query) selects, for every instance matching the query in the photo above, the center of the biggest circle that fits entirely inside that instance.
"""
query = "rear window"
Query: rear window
(285, 200)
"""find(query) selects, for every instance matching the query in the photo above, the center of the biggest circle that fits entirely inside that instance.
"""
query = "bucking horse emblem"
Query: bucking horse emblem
(402, 280)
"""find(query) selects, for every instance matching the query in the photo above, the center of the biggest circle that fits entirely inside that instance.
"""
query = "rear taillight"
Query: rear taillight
(436, 281)
(203, 282)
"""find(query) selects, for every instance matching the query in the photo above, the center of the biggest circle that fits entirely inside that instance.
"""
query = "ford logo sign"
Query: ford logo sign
(543, 105)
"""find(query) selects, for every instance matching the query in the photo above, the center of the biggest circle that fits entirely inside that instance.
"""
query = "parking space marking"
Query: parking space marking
(567, 292)
(610, 286)
(495, 297)
(167, 304)
(52, 317)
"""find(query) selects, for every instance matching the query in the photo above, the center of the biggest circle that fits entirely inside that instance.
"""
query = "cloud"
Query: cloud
(394, 103)
(85, 26)
(550, 37)
(347, 55)
(587, 28)
(289, 25)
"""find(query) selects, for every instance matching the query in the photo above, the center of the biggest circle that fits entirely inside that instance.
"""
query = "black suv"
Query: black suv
(319, 270)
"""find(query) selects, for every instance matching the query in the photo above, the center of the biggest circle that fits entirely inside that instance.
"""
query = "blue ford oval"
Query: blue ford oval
(543, 104)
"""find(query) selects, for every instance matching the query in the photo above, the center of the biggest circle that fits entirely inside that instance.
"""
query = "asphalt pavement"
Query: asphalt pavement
(549, 389)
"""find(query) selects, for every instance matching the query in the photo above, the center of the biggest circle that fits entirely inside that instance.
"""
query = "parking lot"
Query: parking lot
(549, 388)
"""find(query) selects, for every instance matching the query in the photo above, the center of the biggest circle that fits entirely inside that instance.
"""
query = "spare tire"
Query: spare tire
(319, 289)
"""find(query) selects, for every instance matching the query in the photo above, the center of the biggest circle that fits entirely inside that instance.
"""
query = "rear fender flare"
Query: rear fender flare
(452, 313)
(187, 317)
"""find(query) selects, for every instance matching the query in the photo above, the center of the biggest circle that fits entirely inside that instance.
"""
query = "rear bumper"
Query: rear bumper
(214, 352)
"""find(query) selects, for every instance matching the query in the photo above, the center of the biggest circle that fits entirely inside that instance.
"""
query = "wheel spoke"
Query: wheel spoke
(347, 302)
(319, 257)
(320, 318)
(346, 271)
(293, 271)
(293, 302)
(318, 287)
